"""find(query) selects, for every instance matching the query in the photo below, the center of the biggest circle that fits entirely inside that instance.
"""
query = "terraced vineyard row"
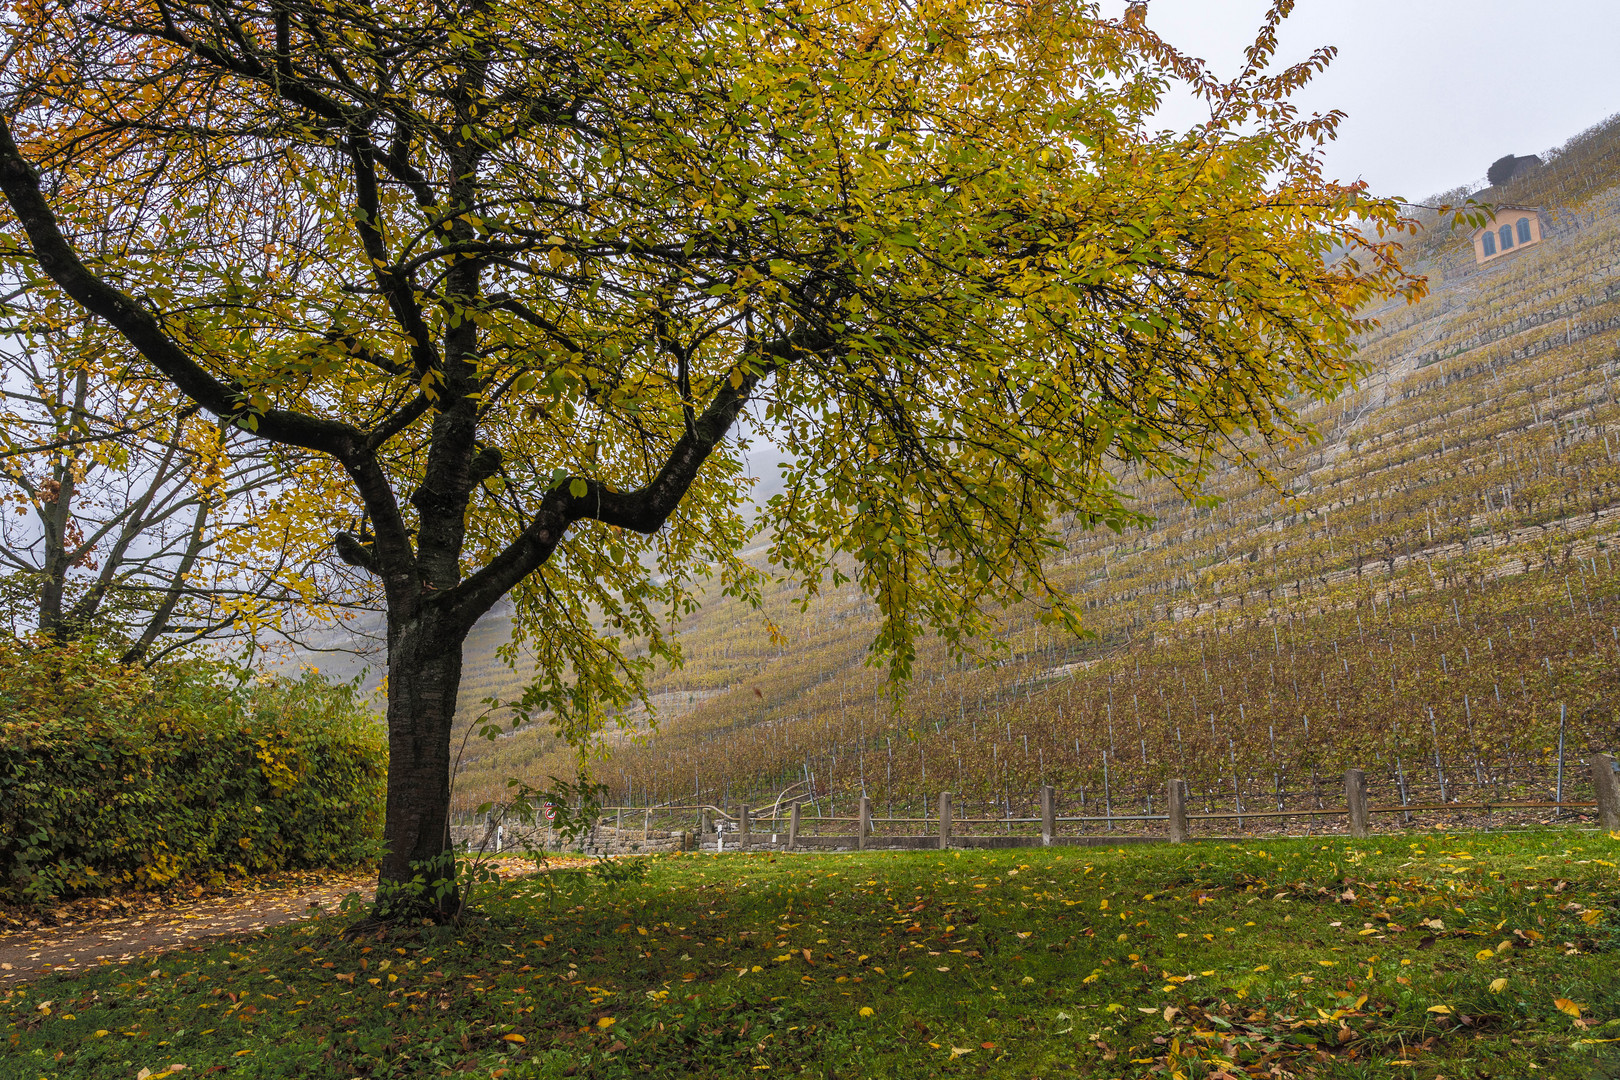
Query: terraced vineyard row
(1430, 586)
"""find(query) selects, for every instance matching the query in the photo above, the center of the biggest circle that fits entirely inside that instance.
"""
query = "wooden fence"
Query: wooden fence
(743, 828)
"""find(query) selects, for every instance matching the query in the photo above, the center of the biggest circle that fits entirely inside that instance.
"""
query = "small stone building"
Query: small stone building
(1512, 228)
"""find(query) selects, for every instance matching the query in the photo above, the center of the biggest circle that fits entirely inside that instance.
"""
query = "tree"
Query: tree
(521, 272)
(134, 517)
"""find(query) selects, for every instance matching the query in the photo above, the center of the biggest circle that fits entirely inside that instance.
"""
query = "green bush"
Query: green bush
(114, 776)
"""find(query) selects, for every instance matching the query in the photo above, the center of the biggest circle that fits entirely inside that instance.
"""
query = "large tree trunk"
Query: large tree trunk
(424, 675)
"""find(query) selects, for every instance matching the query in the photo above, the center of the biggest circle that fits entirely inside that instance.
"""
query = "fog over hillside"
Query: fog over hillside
(1430, 582)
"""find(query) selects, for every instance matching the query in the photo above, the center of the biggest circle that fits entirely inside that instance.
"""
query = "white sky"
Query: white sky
(1435, 90)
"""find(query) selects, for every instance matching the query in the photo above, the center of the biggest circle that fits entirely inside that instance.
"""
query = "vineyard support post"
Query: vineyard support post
(705, 826)
(1558, 795)
(793, 827)
(944, 820)
(646, 826)
(1048, 814)
(1178, 811)
(1355, 796)
(742, 827)
(1607, 786)
(863, 827)
(1108, 795)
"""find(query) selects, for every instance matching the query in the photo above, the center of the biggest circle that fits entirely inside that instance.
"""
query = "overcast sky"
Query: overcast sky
(1435, 90)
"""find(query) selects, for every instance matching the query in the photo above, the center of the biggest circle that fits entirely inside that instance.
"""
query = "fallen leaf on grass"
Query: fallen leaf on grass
(514, 1037)
(958, 1051)
(1498, 985)
(1443, 1010)
(1567, 1007)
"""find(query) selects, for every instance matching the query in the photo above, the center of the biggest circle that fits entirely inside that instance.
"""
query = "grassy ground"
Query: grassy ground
(1420, 956)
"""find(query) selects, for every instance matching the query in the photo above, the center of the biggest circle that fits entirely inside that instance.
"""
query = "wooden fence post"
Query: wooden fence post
(944, 820)
(646, 826)
(742, 828)
(705, 826)
(1607, 786)
(863, 827)
(1048, 814)
(1355, 796)
(793, 826)
(1178, 811)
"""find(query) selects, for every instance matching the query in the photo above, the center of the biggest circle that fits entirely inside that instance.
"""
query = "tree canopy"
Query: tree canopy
(516, 270)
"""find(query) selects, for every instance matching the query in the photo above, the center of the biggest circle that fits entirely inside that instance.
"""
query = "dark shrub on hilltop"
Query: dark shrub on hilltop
(115, 776)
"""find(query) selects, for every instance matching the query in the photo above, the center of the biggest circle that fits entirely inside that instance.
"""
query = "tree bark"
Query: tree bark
(424, 676)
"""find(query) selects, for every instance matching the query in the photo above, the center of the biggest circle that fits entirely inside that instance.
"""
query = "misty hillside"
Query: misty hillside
(1454, 523)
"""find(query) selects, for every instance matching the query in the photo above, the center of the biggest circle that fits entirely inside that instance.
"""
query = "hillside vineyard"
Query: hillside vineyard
(1431, 597)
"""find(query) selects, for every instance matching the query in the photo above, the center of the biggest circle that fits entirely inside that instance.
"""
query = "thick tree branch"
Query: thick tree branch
(395, 283)
(644, 510)
(140, 328)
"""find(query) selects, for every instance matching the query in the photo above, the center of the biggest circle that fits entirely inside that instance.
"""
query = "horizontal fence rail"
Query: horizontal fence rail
(786, 825)
(742, 827)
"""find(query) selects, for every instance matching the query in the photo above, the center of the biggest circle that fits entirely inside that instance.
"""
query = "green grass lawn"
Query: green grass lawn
(1414, 956)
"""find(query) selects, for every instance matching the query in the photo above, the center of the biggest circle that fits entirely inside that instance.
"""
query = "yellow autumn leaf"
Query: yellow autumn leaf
(866, 1010)
(514, 1037)
(1485, 954)
(1567, 1007)
(1498, 985)
(1443, 1010)
(606, 1022)
(958, 1051)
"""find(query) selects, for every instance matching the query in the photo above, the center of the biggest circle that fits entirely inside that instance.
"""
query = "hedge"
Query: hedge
(114, 776)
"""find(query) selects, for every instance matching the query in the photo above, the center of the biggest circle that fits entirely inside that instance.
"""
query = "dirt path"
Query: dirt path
(28, 954)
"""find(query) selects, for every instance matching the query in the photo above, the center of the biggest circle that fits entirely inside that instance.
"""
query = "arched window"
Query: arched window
(1490, 243)
(1524, 230)
(1505, 234)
